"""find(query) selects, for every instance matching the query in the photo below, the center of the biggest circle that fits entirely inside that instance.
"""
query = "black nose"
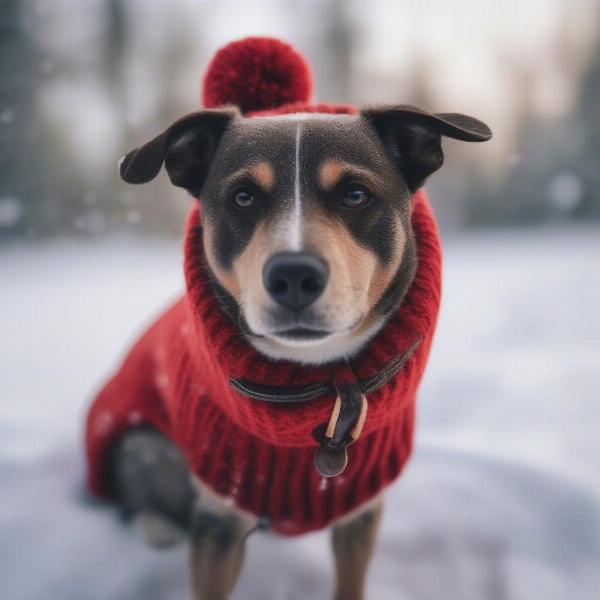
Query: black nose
(295, 279)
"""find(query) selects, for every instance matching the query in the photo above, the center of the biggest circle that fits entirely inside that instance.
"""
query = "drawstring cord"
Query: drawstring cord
(261, 524)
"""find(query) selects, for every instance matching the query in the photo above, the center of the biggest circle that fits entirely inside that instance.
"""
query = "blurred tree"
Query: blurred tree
(554, 174)
(589, 160)
(83, 82)
(335, 46)
(23, 168)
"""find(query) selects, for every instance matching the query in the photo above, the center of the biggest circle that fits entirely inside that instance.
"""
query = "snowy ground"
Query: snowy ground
(501, 500)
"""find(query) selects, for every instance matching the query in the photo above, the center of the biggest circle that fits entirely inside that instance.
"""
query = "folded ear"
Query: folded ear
(186, 148)
(412, 137)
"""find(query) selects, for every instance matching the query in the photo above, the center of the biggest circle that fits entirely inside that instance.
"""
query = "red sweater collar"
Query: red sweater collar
(263, 380)
(238, 360)
(259, 453)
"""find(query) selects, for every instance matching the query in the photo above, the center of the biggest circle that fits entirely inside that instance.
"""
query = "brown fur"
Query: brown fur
(353, 541)
(264, 174)
(217, 544)
(332, 170)
(371, 257)
(261, 172)
(227, 278)
(217, 547)
(356, 268)
(360, 280)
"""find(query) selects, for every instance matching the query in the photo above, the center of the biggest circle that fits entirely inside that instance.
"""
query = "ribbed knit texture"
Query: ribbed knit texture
(260, 455)
(176, 378)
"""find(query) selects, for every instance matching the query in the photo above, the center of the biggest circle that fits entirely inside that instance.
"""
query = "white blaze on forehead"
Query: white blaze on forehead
(290, 229)
(295, 231)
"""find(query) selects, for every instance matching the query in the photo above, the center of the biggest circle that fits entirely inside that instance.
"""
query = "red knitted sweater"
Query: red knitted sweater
(260, 455)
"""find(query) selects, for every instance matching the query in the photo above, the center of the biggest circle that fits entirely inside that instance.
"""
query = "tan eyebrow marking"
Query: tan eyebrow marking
(332, 170)
(262, 172)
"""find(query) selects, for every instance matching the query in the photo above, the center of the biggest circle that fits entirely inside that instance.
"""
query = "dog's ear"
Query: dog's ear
(412, 137)
(186, 148)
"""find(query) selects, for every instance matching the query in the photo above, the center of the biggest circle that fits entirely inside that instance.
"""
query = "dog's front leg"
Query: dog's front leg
(353, 542)
(216, 553)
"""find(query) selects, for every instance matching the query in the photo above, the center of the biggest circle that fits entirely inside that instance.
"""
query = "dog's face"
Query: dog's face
(306, 224)
(306, 216)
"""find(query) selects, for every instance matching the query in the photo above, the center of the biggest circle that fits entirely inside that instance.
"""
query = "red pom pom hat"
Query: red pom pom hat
(256, 74)
(194, 378)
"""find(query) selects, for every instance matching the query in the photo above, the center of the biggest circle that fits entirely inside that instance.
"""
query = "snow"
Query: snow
(500, 502)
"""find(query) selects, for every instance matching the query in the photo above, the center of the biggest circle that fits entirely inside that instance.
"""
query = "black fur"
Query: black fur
(186, 148)
(412, 138)
(147, 473)
(400, 147)
(347, 139)
(219, 529)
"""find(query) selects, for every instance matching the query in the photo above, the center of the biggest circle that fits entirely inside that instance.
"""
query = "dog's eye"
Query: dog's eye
(355, 196)
(243, 198)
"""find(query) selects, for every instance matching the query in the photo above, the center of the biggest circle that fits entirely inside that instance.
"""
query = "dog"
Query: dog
(307, 244)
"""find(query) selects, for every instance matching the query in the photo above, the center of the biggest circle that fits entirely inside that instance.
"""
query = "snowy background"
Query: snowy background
(502, 498)
(500, 502)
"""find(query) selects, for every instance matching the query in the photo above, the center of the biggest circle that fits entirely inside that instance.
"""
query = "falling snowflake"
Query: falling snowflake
(7, 116)
(514, 159)
(11, 211)
(565, 192)
(135, 417)
(90, 198)
(93, 222)
(103, 424)
(133, 216)
(162, 381)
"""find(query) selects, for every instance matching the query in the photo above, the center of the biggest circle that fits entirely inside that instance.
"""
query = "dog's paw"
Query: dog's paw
(157, 531)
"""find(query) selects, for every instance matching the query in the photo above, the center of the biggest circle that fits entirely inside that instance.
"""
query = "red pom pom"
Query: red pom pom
(256, 73)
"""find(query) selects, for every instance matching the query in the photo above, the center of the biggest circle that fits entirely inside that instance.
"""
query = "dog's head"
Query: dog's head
(306, 216)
